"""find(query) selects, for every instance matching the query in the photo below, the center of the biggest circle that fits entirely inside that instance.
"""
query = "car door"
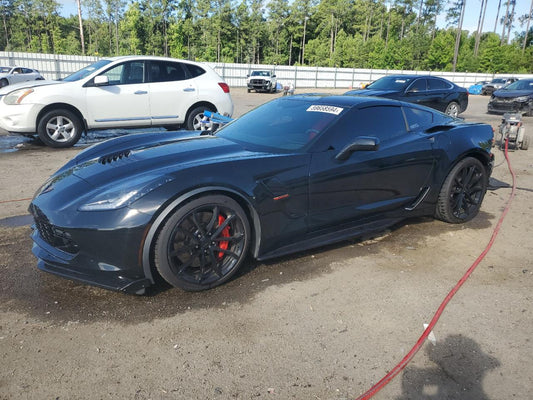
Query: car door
(416, 92)
(372, 182)
(172, 91)
(122, 102)
(438, 93)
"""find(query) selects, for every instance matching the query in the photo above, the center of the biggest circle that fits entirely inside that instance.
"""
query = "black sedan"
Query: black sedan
(516, 97)
(296, 173)
(430, 91)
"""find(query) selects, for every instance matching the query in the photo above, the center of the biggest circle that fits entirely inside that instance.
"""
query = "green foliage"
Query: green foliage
(381, 34)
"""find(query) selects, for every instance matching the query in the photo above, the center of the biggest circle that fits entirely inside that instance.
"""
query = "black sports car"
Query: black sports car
(516, 97)
(295, 173)
(430, 91)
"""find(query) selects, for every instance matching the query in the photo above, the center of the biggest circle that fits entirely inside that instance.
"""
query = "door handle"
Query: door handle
(141, 92)
(189, 89)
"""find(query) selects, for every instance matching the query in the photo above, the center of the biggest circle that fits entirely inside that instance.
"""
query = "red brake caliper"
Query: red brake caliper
(225, 233)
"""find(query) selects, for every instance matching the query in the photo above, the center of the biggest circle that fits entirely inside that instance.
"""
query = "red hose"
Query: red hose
(403, 363)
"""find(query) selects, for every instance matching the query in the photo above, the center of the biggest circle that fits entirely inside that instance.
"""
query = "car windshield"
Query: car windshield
(260, 73)
(82, 73)
(390, 83)
(498, 80)
(5, 70)
(281, 125)
(520, 85)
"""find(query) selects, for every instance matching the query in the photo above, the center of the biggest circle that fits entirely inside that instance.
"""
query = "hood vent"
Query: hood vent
(109, 158)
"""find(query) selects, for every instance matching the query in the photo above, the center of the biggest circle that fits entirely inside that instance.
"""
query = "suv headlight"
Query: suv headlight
(522, 99)
(17, 96)
(124, 194)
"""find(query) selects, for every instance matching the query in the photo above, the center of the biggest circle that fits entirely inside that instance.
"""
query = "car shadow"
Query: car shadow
(460, 365)
(47, 297)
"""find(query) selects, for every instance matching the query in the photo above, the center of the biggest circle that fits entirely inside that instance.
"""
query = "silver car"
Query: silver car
(10, 75)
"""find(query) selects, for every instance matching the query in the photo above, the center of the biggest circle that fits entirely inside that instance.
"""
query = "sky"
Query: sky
(470, 19)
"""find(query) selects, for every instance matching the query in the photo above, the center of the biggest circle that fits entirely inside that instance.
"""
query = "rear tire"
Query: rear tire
(452, 109)
(202, 244)
(462, 192)
(60, 128)
(194, 118)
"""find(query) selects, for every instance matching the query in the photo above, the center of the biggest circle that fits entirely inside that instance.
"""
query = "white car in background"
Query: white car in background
(11, 75)
(118, 92)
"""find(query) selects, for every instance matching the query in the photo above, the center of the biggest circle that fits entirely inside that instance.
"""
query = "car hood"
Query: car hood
(512, 93)
(159, 154)
(375, 92)
(27, 84)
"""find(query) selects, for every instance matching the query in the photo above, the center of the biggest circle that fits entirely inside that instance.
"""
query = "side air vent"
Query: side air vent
(109, 158)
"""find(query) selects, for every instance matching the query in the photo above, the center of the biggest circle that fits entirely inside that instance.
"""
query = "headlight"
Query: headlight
(522, 99)
(125, 194)
(17, 96)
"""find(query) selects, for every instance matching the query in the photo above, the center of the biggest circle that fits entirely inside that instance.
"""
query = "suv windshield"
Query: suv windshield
(82, 73)
(281, 125)
(390, 83)
(260, 73)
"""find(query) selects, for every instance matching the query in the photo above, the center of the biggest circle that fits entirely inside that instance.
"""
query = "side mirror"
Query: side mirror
(101, 80)
(247, 75)
(362, 143)
(273, 76)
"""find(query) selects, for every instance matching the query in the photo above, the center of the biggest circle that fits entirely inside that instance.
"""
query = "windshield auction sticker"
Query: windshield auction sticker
(325, 109)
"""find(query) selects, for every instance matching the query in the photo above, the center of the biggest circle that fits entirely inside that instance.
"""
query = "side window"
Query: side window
(165, 71)
(126, 73)
(437, 84)
(383, 122)
(194, 70)
(418, 119)
(418, 86)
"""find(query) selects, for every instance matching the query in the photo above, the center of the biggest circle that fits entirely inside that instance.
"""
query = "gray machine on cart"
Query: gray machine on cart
(513, 130)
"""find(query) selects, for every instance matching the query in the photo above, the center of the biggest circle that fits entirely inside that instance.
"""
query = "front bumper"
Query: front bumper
(502, 105)
(108, 258)
(20, 118)
(259, 85)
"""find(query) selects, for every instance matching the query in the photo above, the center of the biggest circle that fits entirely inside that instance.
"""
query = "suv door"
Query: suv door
(172, 91)
(124, 102)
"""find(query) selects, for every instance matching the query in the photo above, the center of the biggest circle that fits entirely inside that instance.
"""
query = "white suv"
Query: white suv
(115, 92)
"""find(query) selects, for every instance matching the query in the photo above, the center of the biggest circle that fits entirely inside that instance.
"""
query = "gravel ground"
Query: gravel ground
(324, 324)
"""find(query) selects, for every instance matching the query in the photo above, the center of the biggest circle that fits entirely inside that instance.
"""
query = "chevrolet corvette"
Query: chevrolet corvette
(295, 173)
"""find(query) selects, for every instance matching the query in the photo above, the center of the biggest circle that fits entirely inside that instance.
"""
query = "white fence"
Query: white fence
(54, 66)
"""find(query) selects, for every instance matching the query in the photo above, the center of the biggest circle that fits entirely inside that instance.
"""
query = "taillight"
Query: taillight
(224, 86)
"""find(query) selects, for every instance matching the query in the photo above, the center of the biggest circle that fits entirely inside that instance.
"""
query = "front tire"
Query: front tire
(462, 192)
(452, 109)
(3, 82)
(194, 119)
(59, 128)
(203, 243)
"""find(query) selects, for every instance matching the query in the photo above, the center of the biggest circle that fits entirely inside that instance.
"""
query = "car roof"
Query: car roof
(125, 58)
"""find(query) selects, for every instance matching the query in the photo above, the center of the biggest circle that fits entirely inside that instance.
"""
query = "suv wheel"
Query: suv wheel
(59, 128)
(194, 119)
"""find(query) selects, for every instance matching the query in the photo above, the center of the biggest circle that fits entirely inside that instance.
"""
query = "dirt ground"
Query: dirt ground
(324, 324)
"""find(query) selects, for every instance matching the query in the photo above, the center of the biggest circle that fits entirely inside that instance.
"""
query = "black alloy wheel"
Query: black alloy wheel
(3, 82)
(203, 243)
(462, 192)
